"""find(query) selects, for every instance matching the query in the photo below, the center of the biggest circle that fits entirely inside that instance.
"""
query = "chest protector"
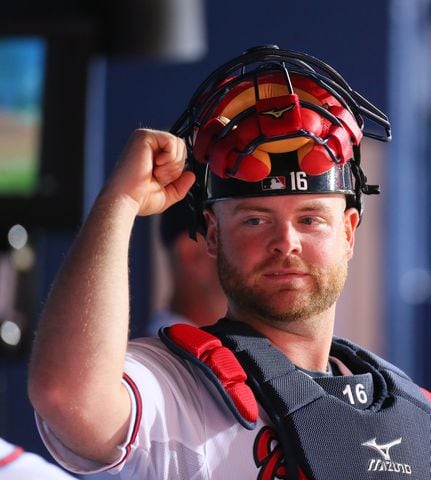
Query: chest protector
(372, 424)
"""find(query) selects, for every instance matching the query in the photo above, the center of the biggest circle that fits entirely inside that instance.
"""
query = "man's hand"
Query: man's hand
(150, 175)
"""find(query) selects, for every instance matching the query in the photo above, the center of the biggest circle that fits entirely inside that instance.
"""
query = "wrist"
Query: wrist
(113, 205)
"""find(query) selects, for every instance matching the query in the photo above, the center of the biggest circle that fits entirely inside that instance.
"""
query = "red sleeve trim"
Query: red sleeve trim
(11, 457)
(138, 417)
(427, 393)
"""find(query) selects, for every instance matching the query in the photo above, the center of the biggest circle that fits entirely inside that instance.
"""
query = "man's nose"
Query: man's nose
(286, 240)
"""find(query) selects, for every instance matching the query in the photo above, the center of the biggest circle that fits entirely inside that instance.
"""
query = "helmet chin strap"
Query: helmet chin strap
(361, 185)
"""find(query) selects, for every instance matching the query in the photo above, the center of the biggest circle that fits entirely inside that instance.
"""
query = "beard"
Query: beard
(287, 304)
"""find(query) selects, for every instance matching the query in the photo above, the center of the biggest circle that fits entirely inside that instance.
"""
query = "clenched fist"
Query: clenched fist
(150, 175)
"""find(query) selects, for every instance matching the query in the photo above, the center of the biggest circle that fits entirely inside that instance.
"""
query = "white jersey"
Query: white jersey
(16, 464)
(180, 428)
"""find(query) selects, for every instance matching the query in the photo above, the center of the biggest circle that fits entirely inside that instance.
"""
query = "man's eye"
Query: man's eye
(307, 220)
(254, 221)
(311, 220)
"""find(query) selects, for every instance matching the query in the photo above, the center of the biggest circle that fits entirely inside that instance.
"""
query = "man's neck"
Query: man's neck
(305, 342)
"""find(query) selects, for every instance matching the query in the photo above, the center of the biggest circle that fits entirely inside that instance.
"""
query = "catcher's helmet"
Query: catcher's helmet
(275, 122)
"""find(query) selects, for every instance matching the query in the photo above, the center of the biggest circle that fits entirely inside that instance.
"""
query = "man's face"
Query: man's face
(283, 258)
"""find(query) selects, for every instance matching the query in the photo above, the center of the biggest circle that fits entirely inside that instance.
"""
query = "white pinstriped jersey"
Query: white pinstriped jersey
(179, 427)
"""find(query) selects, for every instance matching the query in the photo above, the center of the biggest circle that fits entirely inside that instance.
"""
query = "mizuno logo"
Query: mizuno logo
(385, 463)
(382, 449)
(278, 113)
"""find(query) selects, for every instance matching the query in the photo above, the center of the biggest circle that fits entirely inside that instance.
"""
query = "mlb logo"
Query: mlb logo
(274, 183)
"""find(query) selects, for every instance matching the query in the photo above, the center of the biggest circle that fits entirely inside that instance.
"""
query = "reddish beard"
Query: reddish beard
(321, 290)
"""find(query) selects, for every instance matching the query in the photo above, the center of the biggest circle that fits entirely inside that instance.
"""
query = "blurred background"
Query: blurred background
(77, 77)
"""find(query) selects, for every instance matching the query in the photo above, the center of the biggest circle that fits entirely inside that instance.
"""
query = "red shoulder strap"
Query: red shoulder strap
(209, 350)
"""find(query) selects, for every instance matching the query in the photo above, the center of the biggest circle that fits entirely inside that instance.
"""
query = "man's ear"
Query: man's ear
(351, 221)
(211, 236)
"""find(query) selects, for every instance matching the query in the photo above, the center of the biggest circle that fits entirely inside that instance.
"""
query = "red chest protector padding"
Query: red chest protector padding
(427, 393)
(219, 364)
